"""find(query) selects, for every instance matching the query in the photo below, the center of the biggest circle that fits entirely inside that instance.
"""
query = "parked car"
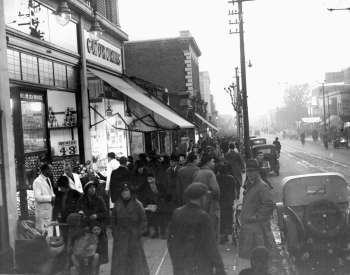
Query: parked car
(257, 141)
(340, 142)
(313, 218)
(271, 156)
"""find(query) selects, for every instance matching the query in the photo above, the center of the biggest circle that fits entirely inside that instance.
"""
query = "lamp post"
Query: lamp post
(325, 136)
(63, 13)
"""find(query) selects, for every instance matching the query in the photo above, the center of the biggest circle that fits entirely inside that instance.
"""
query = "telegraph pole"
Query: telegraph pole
(239, 102)
(243, 74)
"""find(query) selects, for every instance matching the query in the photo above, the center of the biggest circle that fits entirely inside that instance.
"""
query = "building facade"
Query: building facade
(173, 64)
(65, 98)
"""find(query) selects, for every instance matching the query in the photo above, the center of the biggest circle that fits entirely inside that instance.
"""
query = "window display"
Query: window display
(33, 123)
(62, 123)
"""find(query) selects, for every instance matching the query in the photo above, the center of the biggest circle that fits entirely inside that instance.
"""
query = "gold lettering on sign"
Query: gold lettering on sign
(103, 52)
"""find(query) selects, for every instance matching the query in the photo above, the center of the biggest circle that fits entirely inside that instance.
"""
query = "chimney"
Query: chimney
(185, 33)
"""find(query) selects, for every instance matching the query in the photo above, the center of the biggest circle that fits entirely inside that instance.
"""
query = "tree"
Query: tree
(295, 106)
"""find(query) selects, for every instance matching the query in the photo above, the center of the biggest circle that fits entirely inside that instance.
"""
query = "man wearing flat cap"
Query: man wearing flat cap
(256, 213)
(191, 242)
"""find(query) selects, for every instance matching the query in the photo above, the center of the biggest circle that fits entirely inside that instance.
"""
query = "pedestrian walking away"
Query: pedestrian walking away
(129, 223)
(191, 243)
(235, 160)
(186, 176)
(207, 176)
(256, 214)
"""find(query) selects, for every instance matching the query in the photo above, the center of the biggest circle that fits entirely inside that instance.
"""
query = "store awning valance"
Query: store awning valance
(311, 119)
(206, 121)
(136, 93)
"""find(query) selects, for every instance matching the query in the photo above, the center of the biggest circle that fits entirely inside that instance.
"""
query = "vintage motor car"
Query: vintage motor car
(271, 162)
(313, 219)
(257, 141)
(340, 142)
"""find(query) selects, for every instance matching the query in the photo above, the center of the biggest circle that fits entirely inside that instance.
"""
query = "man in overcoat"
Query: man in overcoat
(118, 177)
(207, 176)
(256, 213)
(186, 176)
(191, 243)
(234, 159)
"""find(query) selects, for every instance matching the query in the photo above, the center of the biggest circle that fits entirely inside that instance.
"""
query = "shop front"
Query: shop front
(44, 87)
(137, 121)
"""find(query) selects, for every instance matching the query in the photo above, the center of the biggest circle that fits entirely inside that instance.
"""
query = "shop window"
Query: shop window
(72, 77)
(46, 72)
(60, 75)
(62, 123)
(37, 20)
(33, 121)
(14, 65)
(29, 65)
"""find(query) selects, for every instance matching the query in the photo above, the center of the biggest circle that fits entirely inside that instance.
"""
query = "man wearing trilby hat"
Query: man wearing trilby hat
(256, 213)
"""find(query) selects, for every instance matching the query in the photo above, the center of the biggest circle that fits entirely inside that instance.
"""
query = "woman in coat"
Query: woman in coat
(94, 209)
(128, 225)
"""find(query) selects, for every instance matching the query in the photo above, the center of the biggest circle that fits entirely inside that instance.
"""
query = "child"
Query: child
(82, 245)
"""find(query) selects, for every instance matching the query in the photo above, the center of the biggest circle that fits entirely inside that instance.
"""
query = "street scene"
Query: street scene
(182, 137)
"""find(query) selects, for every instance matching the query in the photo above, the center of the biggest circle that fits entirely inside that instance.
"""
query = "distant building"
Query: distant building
(172, 63)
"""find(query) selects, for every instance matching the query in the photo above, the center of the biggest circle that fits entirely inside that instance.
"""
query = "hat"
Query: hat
(196, 190)
(123, 160)
(252, 165)
(124, 186)
(88, 184)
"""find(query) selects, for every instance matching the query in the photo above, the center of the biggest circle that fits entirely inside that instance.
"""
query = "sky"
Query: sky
(288, 41)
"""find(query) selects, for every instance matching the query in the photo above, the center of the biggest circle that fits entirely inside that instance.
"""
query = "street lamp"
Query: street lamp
(63, 13)
(95, 31)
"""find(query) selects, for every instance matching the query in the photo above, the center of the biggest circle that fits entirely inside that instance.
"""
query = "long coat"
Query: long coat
(129, 224)
(96, 205)
(236, 163)
(185, 178)
(191, 243)
(255, 218)
(207, 176)
(43, 193)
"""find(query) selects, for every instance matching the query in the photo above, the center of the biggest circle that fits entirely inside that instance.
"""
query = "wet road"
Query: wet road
(295, 159)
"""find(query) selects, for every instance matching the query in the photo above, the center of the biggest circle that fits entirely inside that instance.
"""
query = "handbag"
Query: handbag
(54, 239)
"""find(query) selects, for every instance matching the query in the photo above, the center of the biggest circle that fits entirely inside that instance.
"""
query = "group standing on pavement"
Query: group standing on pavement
(187, 199)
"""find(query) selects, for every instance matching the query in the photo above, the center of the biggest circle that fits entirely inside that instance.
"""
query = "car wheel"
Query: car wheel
(324, 218)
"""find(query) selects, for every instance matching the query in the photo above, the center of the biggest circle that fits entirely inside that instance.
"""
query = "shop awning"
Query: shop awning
(311, 119)
(130, 89)
(206, 121)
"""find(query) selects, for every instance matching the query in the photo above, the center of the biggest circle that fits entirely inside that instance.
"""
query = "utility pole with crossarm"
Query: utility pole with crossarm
(243, 72)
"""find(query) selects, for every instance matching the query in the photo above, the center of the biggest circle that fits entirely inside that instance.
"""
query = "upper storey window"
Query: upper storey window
(35, 19)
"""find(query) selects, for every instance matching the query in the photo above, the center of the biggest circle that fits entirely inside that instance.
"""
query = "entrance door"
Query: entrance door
(31, 142)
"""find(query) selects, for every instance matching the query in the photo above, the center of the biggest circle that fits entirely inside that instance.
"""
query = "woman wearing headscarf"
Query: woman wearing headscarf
(128, 225)
(95, 212)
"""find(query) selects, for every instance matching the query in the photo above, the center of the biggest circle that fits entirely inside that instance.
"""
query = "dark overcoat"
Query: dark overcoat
(96, 205)
(185, 177)
(255, 218)
(118, 176)
(191, 243)
(236, 163)
(128, 225)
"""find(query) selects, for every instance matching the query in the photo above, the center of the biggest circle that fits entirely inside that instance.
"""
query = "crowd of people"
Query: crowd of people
(186, 198)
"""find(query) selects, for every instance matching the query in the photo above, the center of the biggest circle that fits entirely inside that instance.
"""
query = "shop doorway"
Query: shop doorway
(31, 142)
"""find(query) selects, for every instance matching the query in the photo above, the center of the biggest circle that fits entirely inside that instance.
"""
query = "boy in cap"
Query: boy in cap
(191, 243)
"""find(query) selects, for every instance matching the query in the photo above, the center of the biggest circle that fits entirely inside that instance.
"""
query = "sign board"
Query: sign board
(103, 53)
(68, 148)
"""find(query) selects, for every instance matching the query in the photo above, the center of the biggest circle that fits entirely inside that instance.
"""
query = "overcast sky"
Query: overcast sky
(287, 41)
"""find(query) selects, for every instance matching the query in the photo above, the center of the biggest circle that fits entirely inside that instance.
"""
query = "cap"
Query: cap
(252, 165)
(196, 190)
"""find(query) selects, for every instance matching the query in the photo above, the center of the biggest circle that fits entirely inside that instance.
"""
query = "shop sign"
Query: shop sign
(103, 53)
(31, 97)
(68, 148)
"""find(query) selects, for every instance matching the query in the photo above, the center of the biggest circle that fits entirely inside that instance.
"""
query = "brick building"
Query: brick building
(173, 64)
